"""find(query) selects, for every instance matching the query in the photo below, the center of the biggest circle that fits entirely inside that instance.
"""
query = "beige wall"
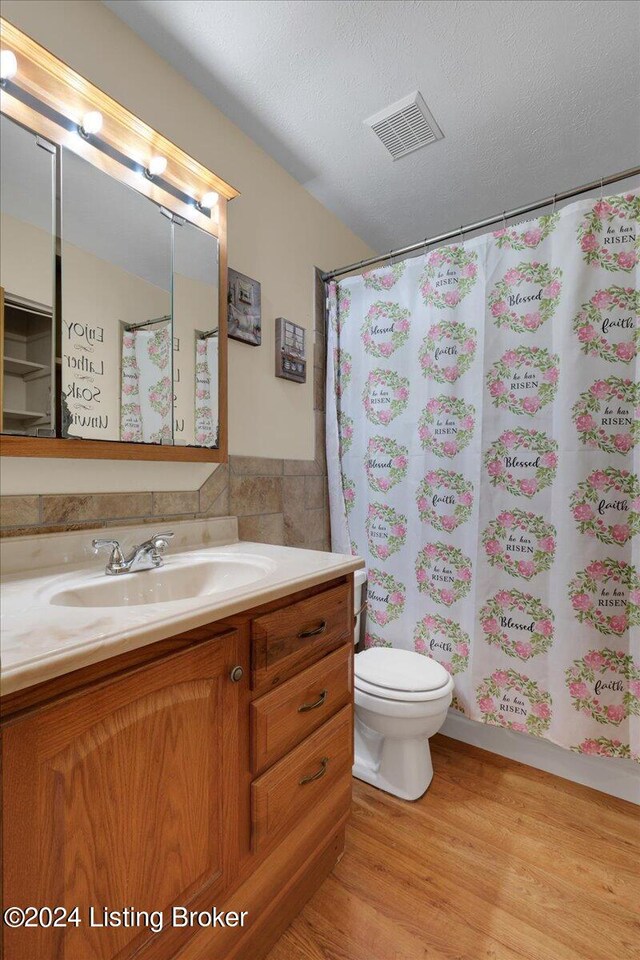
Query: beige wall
(277, 232)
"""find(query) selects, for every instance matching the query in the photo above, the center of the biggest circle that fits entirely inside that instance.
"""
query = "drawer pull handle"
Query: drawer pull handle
(314, 631)
(318, 774)
(314, 706)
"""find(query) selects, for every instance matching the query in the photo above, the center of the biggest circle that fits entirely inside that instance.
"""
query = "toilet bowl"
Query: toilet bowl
(401, 699)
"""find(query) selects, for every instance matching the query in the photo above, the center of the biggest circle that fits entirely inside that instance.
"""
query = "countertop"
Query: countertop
(40, 640)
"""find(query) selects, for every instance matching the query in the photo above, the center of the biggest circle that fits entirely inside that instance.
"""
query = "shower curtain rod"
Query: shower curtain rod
(146, 323)
(470, 228)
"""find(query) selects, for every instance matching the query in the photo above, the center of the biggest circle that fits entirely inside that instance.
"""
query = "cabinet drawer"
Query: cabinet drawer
(291, 638)
(285, 716)
(317, 769)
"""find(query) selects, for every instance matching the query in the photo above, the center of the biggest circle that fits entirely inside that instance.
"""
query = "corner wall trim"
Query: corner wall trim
(618, 778)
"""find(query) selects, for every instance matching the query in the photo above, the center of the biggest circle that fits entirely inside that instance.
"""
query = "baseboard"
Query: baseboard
(618, 778)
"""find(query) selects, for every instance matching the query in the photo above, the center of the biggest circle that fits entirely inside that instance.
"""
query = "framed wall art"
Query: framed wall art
(244, 321)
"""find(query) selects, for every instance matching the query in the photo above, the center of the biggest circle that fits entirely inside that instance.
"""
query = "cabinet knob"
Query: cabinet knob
(236, 674)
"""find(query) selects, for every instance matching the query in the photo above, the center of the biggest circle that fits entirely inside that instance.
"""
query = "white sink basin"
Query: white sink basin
(176, 581)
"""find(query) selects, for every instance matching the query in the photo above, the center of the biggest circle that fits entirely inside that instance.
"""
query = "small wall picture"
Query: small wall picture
(245, 318)
(290, 351)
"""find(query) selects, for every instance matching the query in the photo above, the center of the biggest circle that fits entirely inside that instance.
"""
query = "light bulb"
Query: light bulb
(8, 64)
(91, 123)
(157, 166)
(209, 200)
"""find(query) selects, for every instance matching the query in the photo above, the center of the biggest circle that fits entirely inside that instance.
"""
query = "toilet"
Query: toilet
(401, 699)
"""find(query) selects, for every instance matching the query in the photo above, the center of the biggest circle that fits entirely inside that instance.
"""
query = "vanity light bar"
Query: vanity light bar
(88, 129)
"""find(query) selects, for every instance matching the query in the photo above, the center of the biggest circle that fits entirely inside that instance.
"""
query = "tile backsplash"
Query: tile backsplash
(276, 501)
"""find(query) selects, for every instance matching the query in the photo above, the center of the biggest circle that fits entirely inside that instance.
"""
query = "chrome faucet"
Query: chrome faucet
(146, 556)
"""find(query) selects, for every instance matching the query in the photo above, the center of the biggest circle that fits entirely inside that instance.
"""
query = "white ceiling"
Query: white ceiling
(533, 96)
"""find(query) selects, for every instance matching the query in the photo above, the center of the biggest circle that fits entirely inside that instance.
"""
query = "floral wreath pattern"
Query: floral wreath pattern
(535, 359)
(458, 641)
(590, 320)
(510, 238)
(593, 579)
(461, 348)
(158, 348)
(459, 497)
(588, 669)
(538, 718)
(373, 640)
(349, 494)
(453, 557)
(397, 525)
(612, 390)
(385, 277)
(464, 261)
(513, 523)
(537, 638)
(543, 308)
(625, 207)
(160, 397)
(521, 438)
(398, 457)
(449, 406)
(615, 486)
(390, 319)
(604, 747)
(394, 606)
(345, 432)
(399, 388)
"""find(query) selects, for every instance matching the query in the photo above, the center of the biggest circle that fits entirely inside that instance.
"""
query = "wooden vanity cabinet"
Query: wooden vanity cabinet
(155, 780)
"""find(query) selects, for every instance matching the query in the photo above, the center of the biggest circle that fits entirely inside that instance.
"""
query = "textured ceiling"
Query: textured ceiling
(533, 97)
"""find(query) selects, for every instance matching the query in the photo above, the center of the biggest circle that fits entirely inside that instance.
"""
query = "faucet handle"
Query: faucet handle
(116, 560)
(114, 544)
(161, 540)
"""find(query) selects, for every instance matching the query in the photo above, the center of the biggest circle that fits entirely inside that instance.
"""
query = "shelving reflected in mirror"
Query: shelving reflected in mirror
(27, 273)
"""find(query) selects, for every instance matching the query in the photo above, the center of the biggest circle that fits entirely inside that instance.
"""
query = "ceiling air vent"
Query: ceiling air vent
(405, 126)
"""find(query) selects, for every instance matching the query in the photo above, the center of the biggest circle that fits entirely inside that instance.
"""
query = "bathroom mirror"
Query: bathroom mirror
(113, 264)
(196, 355)
(27, 270)
(116, 381)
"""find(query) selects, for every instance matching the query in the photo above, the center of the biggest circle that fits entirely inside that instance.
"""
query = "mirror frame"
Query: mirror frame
(50, 98)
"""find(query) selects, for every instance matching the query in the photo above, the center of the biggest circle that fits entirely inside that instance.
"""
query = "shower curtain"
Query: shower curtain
(145, 404)
(483, 457)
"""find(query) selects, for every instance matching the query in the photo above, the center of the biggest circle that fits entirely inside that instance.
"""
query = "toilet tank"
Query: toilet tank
(359, 597)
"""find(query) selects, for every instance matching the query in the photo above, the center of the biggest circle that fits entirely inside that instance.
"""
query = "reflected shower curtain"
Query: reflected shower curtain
(206, 391)
(145, 405)
(483, 456)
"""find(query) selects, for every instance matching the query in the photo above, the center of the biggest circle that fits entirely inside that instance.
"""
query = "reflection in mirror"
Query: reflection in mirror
(116, 310)
(27, 238)
(195, 346)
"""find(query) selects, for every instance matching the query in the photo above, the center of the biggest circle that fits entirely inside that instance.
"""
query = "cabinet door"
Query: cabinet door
(123, 796)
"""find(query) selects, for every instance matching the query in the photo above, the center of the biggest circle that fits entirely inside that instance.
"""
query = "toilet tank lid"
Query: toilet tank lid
(393, 669)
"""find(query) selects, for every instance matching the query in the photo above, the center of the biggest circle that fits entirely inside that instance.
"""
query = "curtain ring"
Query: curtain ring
(461, 234)
(553, 208)
(601, 186)
(504, 219)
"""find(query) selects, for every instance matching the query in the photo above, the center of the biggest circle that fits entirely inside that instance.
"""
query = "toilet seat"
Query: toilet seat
(401, 675)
